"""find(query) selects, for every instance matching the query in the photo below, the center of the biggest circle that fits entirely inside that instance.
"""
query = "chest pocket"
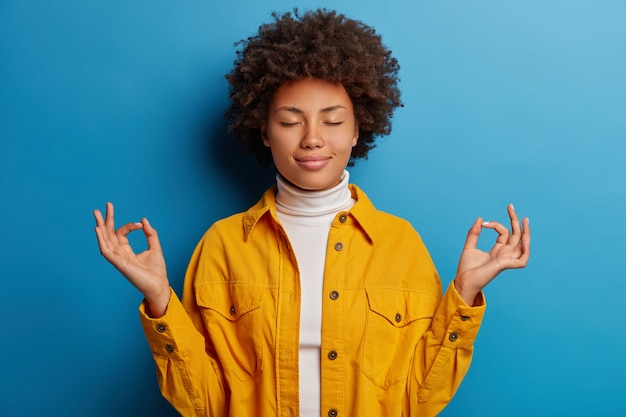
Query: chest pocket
(232, 317)
(395, 322)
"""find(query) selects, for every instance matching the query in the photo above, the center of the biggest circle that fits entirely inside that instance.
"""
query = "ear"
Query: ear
(355, 139)
(266, 141)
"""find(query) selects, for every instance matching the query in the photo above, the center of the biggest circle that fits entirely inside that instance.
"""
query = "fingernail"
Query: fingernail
(512, 206)
(485, 223)
(138, 224)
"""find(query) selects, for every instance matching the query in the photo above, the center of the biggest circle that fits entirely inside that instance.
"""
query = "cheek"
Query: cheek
(349, 139)
(279, 150)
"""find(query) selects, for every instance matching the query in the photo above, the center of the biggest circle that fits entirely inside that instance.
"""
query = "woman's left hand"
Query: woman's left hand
(477, 268)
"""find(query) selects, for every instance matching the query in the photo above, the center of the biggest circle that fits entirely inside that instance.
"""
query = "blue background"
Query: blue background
(505, 101)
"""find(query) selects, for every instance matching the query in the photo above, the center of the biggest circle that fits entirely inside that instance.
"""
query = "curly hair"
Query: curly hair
(321, 44)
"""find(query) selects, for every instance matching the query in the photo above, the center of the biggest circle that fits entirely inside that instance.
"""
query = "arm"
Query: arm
(188, 376)
(444, 354)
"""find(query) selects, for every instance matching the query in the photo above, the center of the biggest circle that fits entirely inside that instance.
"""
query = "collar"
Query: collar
(363, 212)
(297, 202)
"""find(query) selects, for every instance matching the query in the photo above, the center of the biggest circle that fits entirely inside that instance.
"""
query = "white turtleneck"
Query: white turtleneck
(306, 217)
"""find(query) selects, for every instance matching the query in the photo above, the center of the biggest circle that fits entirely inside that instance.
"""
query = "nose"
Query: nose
(312, 137)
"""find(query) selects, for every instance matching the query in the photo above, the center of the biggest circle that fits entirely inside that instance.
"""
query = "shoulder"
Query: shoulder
(378, 222)
(238, 226)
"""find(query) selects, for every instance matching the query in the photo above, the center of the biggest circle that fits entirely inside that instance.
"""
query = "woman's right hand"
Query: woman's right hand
(146, 270)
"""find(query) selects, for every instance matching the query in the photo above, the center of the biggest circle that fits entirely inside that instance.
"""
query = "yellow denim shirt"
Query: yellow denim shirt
(391, 345)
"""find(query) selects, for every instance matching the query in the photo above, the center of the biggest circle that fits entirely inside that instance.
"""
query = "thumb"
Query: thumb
(152, 236)
(472, 235)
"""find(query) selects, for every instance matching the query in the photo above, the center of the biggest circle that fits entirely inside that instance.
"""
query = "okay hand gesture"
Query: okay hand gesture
(145, 270)
(477, 268)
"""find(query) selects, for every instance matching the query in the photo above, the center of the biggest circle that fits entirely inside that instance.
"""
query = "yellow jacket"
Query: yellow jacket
(391, 345)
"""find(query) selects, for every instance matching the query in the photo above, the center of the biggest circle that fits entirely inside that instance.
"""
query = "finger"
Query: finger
(101, 231)
(98, 216)
(103, 243)
(515, 226)
(525, 241)
(152, 236)
(522, 251)
(122, 233)
(101, 240)
(503, 232)
(522, 260)
(472, 235)
(110, 218)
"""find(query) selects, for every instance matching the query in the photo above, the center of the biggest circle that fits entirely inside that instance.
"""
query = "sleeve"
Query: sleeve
(189, 377)
(444, 354)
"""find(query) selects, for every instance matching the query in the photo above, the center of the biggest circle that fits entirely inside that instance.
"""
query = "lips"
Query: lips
(312, 162)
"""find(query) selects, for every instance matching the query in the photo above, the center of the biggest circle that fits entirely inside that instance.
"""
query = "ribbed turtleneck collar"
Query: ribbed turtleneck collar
(295, 201)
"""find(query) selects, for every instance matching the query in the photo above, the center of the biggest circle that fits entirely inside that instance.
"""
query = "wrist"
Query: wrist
(469, 294)
(158, 302)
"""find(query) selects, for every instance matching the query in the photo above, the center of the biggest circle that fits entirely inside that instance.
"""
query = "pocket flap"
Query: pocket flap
(231, 300)
(401, 307)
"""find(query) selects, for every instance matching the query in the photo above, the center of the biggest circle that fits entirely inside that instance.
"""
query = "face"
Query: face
(311, 131)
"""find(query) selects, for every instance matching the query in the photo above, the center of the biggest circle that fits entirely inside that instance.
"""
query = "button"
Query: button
(398, 317)
(332, 413)
(232, 310)
(161, 328)
(464, 317)
(343, 218)
(169, 348)
(338, 246)
(453, 336)
(333, 295)
(332, 355)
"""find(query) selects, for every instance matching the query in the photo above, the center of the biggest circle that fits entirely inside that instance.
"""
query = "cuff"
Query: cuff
(163, 332)
(455, 323)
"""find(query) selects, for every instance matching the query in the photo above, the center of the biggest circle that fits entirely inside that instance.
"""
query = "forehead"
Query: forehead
(311, 93)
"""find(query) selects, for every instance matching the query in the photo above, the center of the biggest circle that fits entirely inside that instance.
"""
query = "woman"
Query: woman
(312, 302)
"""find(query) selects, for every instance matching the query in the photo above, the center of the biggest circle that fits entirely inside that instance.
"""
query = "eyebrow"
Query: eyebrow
(299, 111)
